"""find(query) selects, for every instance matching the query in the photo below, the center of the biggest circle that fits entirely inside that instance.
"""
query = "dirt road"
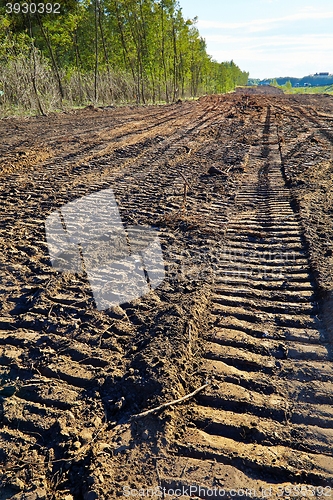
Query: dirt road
(238, 190)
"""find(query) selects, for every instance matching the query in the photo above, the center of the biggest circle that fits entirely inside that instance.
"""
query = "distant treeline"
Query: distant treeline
(105, 51)
(313, 80)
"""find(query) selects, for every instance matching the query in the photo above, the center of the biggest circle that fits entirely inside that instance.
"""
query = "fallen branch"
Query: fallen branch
(166, 405)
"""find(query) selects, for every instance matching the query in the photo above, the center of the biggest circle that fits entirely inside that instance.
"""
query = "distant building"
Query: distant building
(325, 73)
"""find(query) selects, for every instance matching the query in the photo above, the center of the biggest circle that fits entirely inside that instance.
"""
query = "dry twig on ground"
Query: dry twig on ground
(167, 405)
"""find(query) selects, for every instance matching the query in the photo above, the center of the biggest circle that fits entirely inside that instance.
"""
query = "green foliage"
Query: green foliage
(324, 89)
(162, 54)
(288, 86)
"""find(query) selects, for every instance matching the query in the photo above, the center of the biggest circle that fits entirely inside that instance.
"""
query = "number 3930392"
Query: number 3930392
(32, 8)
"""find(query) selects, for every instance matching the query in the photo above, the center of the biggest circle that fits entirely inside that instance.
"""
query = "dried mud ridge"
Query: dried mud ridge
(246, 305)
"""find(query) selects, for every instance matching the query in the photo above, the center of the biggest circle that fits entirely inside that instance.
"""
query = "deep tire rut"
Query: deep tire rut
(267, 411)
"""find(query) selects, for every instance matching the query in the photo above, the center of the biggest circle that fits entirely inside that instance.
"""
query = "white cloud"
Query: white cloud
(265, 24)
(278, 55)
(294, 42)
(314, 42)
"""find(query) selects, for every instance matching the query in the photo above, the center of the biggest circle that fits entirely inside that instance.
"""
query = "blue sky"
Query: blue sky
(268, 38)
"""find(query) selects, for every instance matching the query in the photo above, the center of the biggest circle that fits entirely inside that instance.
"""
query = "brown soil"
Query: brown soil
(239, 188)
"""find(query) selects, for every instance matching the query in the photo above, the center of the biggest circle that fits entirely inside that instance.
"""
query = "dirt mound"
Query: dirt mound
(259, 90)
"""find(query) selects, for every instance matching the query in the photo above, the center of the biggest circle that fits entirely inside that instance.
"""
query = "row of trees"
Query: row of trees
(107, 51)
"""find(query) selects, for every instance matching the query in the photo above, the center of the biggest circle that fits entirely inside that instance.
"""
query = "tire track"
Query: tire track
(68, 370)
(56, 350)
(267, 410)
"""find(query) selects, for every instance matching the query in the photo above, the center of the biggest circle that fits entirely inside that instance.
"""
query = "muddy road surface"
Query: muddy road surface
(150, 254)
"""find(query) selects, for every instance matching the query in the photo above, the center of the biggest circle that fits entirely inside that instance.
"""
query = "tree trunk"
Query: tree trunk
(163, 54)
(175, 76)
(54, 64)
(137, 42)
(105, 52)
(123, 42)
(78, 67)
(34, 85)
(96, 52)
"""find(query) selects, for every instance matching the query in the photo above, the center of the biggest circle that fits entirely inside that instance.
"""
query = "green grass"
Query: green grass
(324, 89)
